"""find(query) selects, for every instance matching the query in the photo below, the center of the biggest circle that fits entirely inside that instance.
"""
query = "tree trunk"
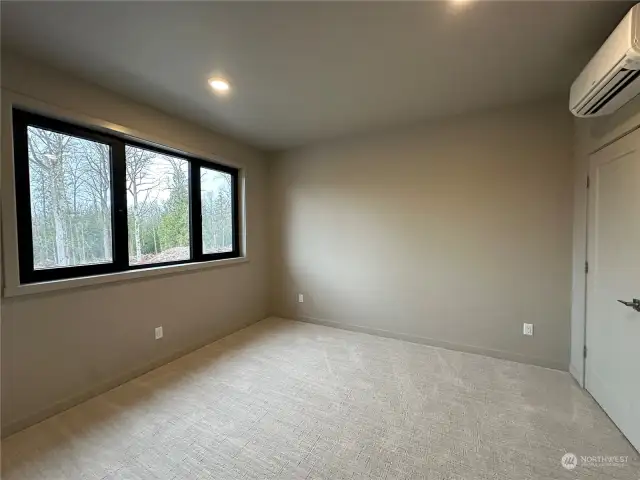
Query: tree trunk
(106, 238)
(137, 243)
(82, 243)
(155, 240)
(136, 224)
(57, 194)
(44, 250)
(58, 223)
(136, 231)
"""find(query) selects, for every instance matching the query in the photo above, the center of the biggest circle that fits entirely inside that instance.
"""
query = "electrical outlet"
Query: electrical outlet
(300, 298)
(158, 333)
(527, 329)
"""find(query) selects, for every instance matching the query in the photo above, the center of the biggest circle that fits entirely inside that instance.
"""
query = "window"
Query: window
(217, 211)
(157, 207)
(91, 203)
(70, 187)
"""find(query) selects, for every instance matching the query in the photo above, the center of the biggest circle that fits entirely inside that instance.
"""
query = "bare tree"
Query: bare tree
(140, 185)
(75, 179)
(99, 184)
(40, 195)
(48, 151)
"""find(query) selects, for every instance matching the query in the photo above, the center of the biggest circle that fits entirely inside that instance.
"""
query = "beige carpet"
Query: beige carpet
(288, 400)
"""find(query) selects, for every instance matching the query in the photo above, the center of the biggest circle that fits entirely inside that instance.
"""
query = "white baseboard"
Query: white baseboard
(501, 354)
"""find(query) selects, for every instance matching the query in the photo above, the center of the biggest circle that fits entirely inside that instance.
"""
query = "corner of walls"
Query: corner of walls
(276, 237)
(402, 231)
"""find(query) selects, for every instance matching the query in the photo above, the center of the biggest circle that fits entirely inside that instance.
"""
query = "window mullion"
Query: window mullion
(195, 209)
(119, 211)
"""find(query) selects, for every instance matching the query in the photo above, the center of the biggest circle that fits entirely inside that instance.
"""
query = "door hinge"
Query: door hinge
(586, 267)
(584, 352)
(588, 181)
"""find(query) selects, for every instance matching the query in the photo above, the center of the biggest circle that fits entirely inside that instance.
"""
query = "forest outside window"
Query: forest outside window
(91, 203)
(157, 207)
(217, 211)
(70, 186)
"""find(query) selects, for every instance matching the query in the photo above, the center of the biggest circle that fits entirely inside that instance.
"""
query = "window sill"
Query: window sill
(72, 283)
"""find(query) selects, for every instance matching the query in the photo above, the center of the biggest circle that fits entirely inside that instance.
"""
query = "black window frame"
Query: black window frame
(23, 119)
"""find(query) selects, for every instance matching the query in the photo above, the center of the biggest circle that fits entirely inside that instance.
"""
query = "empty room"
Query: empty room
(317, 240)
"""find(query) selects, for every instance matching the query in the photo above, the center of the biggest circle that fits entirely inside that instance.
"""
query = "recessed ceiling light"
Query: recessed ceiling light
(457, 6)
(219, 85)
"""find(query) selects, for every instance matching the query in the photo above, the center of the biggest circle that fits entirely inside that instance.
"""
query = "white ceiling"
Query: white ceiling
(311, 70)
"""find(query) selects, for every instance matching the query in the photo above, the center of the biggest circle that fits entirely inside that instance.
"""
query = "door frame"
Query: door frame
(585, 159)
(589, 204)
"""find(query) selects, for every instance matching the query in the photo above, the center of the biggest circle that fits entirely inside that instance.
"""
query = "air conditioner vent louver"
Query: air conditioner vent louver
(622, 80)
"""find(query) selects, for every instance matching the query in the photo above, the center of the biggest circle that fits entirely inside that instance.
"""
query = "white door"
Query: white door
(613, 329)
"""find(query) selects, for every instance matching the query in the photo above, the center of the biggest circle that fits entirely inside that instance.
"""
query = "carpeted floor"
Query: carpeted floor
(289, 400)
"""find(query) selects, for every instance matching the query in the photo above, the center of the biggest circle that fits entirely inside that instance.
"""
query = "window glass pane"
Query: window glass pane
(70, 188)
(157, 207)
(217, 225)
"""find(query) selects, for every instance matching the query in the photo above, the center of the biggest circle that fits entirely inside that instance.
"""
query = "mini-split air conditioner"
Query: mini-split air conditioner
(612, 77)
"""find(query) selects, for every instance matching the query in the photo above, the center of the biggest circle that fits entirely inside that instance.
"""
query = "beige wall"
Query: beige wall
(451, 233)
(591, 135)
(60, 347)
